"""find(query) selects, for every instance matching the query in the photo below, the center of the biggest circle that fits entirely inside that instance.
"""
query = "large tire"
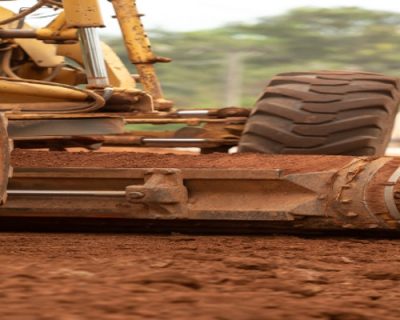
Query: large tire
(347, 113)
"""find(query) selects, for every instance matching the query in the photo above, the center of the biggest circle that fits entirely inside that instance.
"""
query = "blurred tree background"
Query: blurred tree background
(232, 64)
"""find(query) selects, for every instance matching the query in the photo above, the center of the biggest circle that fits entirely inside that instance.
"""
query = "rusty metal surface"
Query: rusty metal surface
(4, 159)
(95, 141)
(388, 193)
(162, 192)
(193, 116)
(330, 200)
(212, 194)
(139, 50)
(206, 131)
(349, 194)
(66, 127)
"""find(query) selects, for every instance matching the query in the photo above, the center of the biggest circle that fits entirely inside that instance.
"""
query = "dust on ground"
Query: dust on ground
(89, 276)
(290, 163)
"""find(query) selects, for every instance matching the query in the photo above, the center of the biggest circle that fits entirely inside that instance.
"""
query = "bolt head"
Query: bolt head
(352, 214)
(136, 195)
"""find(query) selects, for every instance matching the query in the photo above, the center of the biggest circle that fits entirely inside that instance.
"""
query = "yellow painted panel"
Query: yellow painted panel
(83, 14)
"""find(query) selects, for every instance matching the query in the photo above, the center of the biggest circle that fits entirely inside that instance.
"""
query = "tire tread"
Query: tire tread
(326, 112)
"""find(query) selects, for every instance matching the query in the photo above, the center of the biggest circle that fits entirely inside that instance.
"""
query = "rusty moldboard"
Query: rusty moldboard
(331, 199)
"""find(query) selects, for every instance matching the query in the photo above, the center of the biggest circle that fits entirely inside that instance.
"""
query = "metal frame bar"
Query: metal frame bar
(303, 201)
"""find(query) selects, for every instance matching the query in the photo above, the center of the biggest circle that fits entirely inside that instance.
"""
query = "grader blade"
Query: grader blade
(349, 193)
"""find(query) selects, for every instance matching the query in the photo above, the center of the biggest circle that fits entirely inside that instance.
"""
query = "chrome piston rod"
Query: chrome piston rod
(93, 58)
(89, 193)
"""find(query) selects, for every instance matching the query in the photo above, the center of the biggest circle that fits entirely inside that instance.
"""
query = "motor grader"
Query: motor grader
(61, 88)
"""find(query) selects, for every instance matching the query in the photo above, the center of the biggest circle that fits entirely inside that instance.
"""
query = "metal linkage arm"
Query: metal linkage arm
(139, 50)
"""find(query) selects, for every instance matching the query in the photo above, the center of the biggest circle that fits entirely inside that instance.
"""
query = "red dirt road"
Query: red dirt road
(290, 163)
(81, 276)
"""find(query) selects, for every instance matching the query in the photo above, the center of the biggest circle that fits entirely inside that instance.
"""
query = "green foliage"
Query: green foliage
(301, 40)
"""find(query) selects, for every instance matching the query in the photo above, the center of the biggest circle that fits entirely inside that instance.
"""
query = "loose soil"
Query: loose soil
(34, 159)
(81, 276)
(120, 276)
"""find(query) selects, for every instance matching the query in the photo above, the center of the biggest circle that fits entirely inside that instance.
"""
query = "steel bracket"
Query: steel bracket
(348, 197)
(163, 193)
